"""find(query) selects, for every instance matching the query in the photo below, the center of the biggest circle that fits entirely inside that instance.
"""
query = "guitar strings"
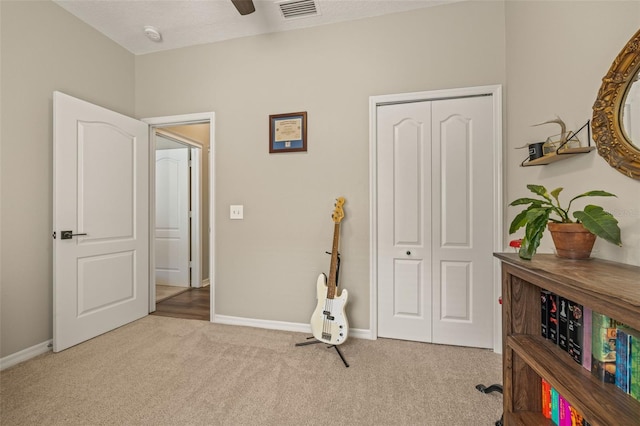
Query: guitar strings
(326, 327)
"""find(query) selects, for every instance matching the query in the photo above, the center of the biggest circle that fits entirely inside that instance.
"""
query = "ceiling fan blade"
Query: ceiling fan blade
(245, 7)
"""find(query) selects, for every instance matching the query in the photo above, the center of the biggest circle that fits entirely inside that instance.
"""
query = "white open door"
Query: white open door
(101, 196)
(172, 238)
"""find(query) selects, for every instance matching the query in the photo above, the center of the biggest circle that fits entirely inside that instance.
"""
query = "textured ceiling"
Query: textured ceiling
(192, 22)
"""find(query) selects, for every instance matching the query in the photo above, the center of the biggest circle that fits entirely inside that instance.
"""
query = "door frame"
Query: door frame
(195, 174)
(374, 101)
(156, 123)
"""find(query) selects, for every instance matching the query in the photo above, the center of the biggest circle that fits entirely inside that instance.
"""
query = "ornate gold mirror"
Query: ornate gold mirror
(616, 112)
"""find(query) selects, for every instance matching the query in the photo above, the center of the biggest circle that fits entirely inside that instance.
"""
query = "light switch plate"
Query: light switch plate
(236, 212)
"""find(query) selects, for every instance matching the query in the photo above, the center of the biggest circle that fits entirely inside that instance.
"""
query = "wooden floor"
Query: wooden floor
(192, 304)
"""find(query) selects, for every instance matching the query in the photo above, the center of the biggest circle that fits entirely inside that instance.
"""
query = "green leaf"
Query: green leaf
(518, 222)
(539, 190)
(555, 193)
(600, 223)
(596, 193)
(536, 224)
(521, 201)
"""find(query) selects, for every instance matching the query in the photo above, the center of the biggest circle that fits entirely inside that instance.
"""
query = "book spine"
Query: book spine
(634, 377)
(552, 308)
(564, 415)
(563, 323)
(576, 417)
(622, 359)
(546, 399)
(603, 348)
(574, 332)
(544, 313)
(555, 409)
(586, 338)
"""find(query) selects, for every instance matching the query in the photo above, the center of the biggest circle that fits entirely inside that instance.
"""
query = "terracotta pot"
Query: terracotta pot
(572, 240)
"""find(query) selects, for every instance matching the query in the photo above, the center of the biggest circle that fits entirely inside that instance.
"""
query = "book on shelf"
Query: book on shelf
(544, 313)
(574, 331)
(586, 338)
(555, 406)
(546, 399)
(634, 385)
(552, 309)
(564, 412)
(632, 354)
(603, 347)
(563, 323)
(623, 352)
(576, 417)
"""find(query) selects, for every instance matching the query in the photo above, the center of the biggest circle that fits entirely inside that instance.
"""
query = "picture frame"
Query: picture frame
(288, 132)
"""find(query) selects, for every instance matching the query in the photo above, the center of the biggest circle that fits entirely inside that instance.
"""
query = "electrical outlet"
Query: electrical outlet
(236, 212)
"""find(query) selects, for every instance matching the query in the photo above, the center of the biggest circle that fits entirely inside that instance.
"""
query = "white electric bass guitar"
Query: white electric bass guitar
(329, 322)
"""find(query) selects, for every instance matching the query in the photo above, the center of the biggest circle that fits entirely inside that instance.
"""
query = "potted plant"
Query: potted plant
(546, 211)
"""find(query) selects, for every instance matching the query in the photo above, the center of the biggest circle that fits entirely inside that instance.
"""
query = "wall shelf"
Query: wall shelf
(563, 152)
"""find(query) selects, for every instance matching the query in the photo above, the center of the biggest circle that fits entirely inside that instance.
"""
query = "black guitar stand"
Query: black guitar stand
(314, 341)
(492, 388)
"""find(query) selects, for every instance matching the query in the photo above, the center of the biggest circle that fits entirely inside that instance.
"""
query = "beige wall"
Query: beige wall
(557, 54)
(267, 264)
(44, 48)
(550, 56)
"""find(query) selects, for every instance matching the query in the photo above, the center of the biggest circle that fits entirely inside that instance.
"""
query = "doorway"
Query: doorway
(175, 202)
(436, 216)
(189, 136)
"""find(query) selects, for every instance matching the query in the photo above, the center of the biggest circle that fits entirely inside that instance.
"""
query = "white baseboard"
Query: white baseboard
(44, 347)
(205, 282)
(282, 325)
(25, 354)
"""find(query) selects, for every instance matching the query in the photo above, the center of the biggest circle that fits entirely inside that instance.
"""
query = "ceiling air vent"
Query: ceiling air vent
(298, 8)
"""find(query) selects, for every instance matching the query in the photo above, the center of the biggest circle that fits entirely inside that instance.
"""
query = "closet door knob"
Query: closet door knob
(408, 253)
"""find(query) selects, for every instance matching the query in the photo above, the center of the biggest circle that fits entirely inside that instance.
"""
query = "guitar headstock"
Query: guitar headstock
(338, 213)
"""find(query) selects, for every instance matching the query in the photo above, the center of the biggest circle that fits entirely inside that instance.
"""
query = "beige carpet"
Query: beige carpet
(166, 371)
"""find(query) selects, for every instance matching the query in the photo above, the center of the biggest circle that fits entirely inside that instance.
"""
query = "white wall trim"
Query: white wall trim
(44, 347)
(26, 354)
(295, 327)
(498, 147)
(174, 120)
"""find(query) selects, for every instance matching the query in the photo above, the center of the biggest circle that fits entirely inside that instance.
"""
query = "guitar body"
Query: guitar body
(329, 321)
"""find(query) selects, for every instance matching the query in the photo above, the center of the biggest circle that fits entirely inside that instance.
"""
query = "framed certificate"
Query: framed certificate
(288, 132)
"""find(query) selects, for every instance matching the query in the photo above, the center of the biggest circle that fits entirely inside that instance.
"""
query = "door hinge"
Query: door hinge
(54, 235)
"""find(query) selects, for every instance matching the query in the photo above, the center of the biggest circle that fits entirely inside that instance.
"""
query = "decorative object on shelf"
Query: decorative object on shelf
(538, 214)
(563, 136)
(557, 147)
(288, 132)
(617, 143)
(516, 244)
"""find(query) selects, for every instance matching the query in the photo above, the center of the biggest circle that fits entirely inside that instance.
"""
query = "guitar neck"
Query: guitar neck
(333, 270)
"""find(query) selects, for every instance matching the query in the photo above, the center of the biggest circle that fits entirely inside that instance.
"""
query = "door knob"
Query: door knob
(67, 235)
(408, 253)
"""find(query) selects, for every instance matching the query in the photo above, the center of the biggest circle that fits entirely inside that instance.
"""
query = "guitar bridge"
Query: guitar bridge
(326, 336)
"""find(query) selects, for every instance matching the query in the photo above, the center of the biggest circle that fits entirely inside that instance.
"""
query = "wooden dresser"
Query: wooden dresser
(607, 287)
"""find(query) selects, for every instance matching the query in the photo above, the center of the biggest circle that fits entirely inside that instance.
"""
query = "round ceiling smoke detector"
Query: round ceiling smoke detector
(152, 33)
